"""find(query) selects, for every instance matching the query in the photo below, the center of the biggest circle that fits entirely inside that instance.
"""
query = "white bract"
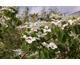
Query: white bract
(18, 51)
(52, 45)
(24, 36)
(39, 34)
(44, 44)
(30, 39)
(46, 29)
(70, 21)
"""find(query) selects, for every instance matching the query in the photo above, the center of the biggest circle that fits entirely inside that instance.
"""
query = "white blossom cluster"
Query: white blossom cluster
(46, 27)
(30, 39)
(67, 19)
(50, 45)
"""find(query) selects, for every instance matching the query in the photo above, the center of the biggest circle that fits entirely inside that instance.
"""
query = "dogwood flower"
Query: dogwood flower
(18, 51)
(44, 44)
(70, 21)
(30, 39)
(65, 24)
(24, 36)
(46, 29)
(39, 34)
(34, 28)
(52, 45)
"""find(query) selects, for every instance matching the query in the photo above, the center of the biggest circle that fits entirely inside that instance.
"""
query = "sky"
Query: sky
(63, 9)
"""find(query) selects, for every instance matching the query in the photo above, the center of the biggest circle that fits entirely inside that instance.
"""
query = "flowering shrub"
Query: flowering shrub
(54, 36)
(58, 38)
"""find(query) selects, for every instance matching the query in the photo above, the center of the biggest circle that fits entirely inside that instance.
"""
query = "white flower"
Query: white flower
(46, 29)
(58, 22)
(54, 22)
(34, 28)
(39, 34)
(44, 44)
(54, 15)
(78, 18)
(30, 39)
(72, 34)
(6, 25)
(70, 21)
(24, 36)
(52, 45)
(37, 38)
(65, 25)
(18, 51)
(44, 33)
(34, 53)
(57, 52)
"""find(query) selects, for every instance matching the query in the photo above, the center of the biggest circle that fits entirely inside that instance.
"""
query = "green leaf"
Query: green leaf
(61, 47)
(66, 33)
(76, 42)
(56, 29)
(33, 48)
(73, 29)
(0, 24)
(34, 35)
(27, 48)
(60, 34)
(29, 29)
(48, 35)
(1, 36)
(64, 22)
(74, 17)
(0, 30)
(52, 54)
(0, 15)
(70, 40)
(79, 36)
(77, 29)
(55, 37)
(43, 40)
(64, 39)
(45, 54)
(24, 46)
(19, 23)
(41, 55)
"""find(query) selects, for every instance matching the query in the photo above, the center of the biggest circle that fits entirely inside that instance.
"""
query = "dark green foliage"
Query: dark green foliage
(0, 15)
(62, 48)
(64, 22)
(60, 34)
(33, 48)
(41, 54)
